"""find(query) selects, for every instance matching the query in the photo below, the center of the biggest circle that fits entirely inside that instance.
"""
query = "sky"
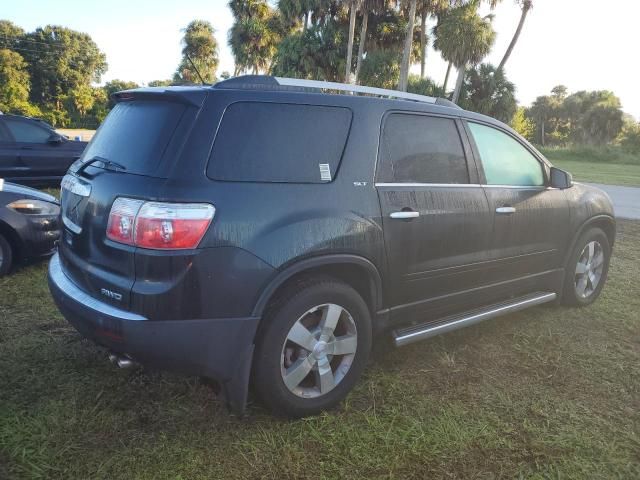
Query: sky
(577, 43)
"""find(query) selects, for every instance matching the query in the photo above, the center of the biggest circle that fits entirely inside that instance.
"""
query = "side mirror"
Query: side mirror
(560, 178)
(55, 138)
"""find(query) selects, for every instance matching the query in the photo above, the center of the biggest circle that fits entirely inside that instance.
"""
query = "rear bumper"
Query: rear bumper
(219, 348)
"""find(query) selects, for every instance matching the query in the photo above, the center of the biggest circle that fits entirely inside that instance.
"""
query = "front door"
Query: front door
(531, 220)
(436, 219)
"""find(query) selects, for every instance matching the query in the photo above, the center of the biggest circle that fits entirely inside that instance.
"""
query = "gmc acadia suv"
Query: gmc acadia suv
(266, 228)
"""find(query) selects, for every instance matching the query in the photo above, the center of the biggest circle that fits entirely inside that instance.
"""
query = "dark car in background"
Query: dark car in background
(29, 224)
(33, 153)
(264, 229)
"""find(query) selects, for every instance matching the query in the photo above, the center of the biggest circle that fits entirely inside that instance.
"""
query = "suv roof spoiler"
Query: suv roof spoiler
(266, 82)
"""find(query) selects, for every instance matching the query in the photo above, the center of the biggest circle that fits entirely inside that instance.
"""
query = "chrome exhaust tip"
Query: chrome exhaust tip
(125, 362)
(121, 361)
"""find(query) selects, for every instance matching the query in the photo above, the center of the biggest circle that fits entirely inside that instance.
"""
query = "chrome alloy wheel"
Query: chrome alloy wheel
(319, 350)
(589, 269)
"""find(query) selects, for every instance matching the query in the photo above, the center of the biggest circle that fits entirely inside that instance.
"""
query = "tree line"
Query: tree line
(52, 71)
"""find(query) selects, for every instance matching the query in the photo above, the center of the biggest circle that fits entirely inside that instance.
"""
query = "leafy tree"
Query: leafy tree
(307, 12)
(14, 84)
(594, 118)
(523, 125)
(464, 38)
(629, 137)
(10, 35)
(252, 37)
(116, 86)
(559, 92)
(160, 83)
(424, 86)
(60, 60)
(380, 69)
(83, 99)
(318, 52)
(486, 90)
(540, 112)
(525, 6)
(199, 44)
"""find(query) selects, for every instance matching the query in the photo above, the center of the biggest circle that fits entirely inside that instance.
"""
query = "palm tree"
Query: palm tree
(366, 7)
(427, 8)
(525, 6)
(464, 38)
(353, 10)
(251, 38)
(487, 90)
(406, 51)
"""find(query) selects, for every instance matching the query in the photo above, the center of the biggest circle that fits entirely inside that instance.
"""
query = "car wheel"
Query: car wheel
(587, 268)
(313, 347)
(6, 256)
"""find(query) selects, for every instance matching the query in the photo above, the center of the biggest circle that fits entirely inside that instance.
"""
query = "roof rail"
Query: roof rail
(347, 87)
(265, 81)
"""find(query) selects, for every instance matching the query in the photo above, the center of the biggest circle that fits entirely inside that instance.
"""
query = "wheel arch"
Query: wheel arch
(605, 222)
(358, 272)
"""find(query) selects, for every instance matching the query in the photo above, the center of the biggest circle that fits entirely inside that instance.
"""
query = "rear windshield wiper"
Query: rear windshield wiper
(106, 164)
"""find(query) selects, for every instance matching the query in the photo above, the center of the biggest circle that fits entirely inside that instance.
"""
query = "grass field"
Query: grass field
(599, 165)
(547, 393)
(609, 173)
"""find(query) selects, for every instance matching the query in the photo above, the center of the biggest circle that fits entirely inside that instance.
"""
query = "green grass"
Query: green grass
(610, 165)
(551, 392)
(608, 173)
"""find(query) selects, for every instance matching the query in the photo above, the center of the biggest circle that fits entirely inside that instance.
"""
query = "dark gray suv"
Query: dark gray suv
(263, 229)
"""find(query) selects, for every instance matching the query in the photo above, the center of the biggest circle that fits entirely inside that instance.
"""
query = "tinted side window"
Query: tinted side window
(504, 160)
(24, 131)
(421, 149)
(274, 142)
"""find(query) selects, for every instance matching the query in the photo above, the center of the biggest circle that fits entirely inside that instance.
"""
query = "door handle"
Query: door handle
(507, 210)
(405, 214)
(26, 147)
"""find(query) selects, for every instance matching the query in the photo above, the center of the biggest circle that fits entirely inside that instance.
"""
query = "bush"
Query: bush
(380, 69)
(424, 86)
(629, 137)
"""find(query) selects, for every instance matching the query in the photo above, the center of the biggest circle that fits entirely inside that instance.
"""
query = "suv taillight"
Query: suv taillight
(163, 226)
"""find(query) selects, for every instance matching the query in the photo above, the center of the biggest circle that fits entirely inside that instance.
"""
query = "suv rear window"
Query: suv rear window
(275, 142)
(135, 134)
(421, 149)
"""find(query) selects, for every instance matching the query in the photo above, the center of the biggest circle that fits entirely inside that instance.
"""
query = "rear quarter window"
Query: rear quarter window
(275, 142)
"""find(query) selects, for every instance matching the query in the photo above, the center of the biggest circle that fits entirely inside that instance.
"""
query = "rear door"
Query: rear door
(144, 138)
(531, 220)
(436, 219)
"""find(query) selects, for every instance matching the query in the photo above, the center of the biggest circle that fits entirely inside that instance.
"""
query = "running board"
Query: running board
(415, 333)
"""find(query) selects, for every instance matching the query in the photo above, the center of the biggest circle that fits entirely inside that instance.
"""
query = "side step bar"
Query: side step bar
(408, 335)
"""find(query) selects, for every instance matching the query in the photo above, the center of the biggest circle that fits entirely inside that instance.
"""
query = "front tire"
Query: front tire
(587, 268)
(313, 347)
(6, 256)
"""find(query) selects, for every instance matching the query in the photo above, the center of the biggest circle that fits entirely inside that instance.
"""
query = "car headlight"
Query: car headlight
(34, 207)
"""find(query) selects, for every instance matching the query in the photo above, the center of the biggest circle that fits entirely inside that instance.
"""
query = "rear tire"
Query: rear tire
(587, 268)
(331, 330)
(6, 256)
